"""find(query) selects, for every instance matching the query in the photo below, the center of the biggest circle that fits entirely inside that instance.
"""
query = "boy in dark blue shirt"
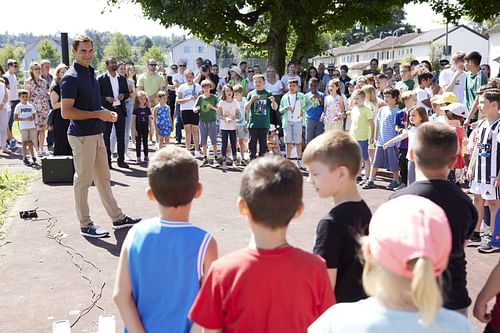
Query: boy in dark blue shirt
(314, 126)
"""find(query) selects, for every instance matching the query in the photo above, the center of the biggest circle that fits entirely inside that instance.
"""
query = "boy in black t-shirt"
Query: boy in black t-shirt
(333, 160)
(434, 150)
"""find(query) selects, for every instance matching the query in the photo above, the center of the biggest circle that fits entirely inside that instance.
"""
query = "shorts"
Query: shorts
(386, 158)
(28, 134)
(190, 118)
(293, 133)
(486, 191)
(363, 145)
(241, 132)
(208, 129)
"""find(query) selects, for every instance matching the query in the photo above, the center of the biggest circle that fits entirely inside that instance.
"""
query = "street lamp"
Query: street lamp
(394, 34)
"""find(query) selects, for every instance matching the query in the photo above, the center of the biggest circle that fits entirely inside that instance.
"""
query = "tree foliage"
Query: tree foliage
(477, 10)
(10, 51)
(48, 51)
(118, 47)
(155, 53)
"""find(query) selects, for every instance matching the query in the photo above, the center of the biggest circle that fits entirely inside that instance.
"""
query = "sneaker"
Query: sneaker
(94, 231)
(26, 161)
(487, 247)
(369, 184)
(6, 151)
(138, 160)
(485, 229)
(393, 185)
(13, 144)
(125, 222)
(224, 165)
(122, 164)
(359, 179)
(146, 159)
(363, 181)
(40, 154)
(34, 161)
(475, 240)
(299, 165)
(197, 154)
(205, 162)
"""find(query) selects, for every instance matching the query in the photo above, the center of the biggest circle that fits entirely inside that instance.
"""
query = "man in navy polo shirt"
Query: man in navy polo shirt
(81, 103)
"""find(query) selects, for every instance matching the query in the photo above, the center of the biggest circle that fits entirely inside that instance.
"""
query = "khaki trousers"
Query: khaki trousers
(91, 164)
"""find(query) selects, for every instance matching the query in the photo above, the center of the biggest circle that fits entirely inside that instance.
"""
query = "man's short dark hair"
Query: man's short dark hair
(173, 176)
(424, 76)
(243, 63)
(344, 68)
(110, 59)
(81, 39)
(313, 79)
(393, 92)
(474, 57)
(374, 60)
(271, 187)
(381, 76)
(293, 81)
(435, 145)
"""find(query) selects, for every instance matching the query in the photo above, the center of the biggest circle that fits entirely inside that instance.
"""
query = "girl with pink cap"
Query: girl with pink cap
(406, 251)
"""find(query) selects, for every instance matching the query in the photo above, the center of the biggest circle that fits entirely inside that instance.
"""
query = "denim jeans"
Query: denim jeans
(313, 129)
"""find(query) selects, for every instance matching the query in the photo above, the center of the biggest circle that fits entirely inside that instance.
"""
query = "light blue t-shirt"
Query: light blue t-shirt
(369, 316)
(165, 264)
(386, 125)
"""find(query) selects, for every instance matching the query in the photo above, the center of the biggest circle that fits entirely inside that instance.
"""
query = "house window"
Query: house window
(411, 51)
(187, 49)
(201, 49)
(357, 58)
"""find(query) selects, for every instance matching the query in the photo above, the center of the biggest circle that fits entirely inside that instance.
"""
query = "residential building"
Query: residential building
(494, 49)
(189, 49)
(33, 55)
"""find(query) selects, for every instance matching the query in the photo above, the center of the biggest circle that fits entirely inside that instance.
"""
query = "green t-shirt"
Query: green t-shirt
(151, 82)
(472, 84)
(206, 114)
(260, 111)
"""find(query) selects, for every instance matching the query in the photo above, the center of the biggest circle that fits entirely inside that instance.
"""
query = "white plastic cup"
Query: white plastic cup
(106, 324)
(61, 326)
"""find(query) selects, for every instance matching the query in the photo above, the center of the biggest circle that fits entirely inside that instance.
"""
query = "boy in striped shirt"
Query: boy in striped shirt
(385, 130)
(164, 260)
(486, 181)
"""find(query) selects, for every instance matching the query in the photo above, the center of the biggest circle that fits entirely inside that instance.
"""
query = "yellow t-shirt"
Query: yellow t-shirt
(151, 83)
(360, 116)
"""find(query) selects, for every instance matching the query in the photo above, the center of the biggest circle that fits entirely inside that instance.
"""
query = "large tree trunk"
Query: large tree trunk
(277, 38)
(306, 39)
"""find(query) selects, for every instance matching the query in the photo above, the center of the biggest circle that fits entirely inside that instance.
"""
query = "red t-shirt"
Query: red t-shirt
(495, 315)
(281, 290)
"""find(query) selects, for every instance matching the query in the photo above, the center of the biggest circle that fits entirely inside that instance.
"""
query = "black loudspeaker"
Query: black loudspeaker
(57, 169)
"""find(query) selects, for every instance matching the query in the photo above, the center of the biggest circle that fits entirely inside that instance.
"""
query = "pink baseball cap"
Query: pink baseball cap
(407, 228)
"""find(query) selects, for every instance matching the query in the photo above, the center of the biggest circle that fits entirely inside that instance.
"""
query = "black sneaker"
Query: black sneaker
(94, 231)
(26, 161)
(205, 162)
(475, 240)
(368, 185)
(125, 222)
(122, 164)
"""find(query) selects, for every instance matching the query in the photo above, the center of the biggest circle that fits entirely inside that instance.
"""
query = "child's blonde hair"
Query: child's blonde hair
(422, 290)
(370, 94)
(408, 94)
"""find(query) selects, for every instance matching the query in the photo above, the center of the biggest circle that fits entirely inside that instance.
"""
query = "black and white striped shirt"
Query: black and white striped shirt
(488, 157)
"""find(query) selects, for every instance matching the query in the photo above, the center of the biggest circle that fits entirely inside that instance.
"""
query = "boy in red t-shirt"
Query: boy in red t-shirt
(269, 286)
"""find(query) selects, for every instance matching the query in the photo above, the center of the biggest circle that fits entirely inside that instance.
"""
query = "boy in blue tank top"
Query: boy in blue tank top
(163, 260)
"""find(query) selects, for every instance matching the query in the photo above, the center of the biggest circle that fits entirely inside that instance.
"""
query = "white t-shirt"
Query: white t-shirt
(3, 91)
(287, 77)
(188, 90)
(12, 86)
(229, 110)
(459, 90)
(179, 78)
(274, 88)
(422, 95)
(24, 111)
(369, 316)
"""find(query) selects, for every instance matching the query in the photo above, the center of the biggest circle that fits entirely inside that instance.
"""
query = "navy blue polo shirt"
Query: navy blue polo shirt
(80, 84)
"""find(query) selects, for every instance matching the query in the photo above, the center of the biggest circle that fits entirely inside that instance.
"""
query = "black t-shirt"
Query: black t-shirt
(142, 115)
(337, 241)
(462, 217)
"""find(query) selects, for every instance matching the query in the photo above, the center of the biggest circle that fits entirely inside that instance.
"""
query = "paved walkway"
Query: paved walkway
(49, 272)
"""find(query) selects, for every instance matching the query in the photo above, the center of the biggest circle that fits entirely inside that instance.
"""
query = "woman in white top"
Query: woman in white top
(275, 87)
(229, 112)
(403, 260)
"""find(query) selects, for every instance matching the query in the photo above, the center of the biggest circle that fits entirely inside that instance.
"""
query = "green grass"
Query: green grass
(11, 187)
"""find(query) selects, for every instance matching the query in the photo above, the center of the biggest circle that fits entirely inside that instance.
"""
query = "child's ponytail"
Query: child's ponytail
(425, 290)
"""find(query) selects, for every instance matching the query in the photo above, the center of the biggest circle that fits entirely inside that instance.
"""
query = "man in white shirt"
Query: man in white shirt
(114, 93)
(13, 98)
(178, 79)
(452, 79)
